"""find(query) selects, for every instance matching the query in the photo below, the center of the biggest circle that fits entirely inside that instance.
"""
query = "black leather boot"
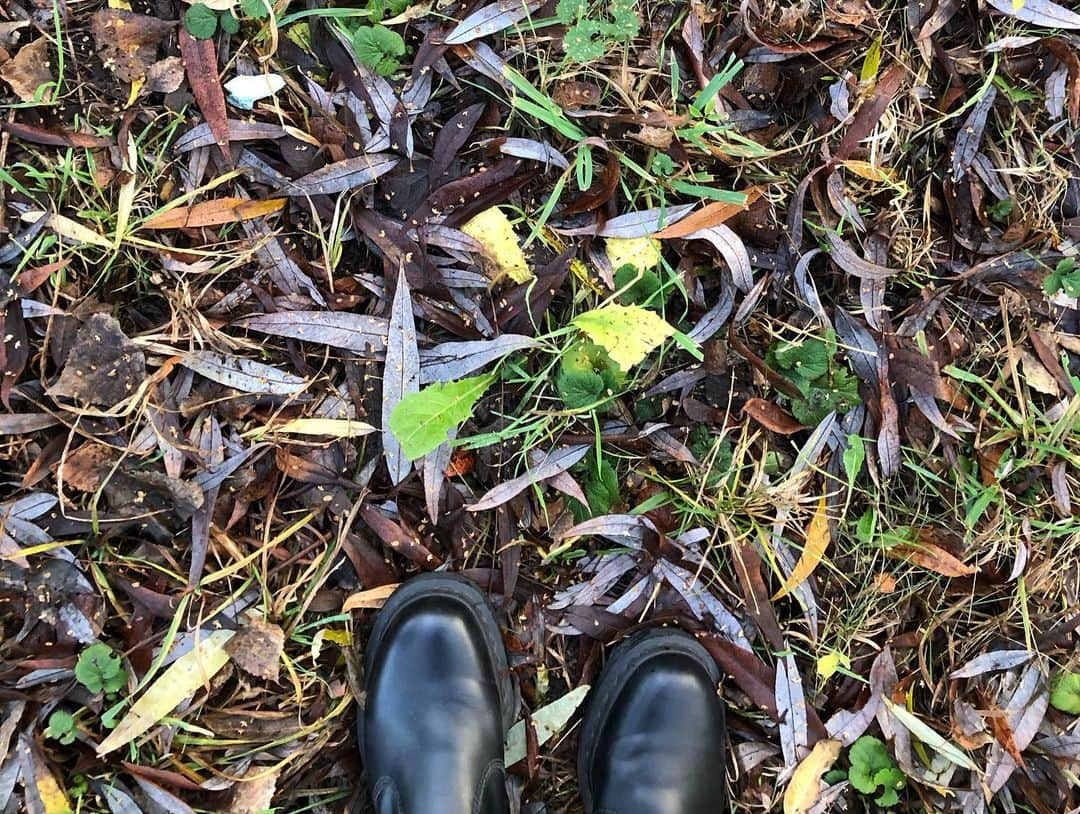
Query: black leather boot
(653, 738)
(437, 703)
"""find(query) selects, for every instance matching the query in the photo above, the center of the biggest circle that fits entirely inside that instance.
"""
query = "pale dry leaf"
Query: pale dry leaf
(256, 649)
(29, 70)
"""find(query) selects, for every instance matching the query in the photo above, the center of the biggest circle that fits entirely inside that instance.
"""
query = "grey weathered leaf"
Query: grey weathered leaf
(555, 462)
(588, 593)
(343, 175)
(847, 727)
(491, 19)
(242, 374)
(161, 801)
(212, 455)
(200, 135)
(1038, 12)
(401, 374)
(483, 59)
(731, 248)
(970, 136)
(1024, 712)
(434, 465)
(791, 709)
(646, 222)
(118, 801)
(362, 334)
(841, 202)
(531, 149)
(704, 604)
(563, 481)
(845, 257)
(714, 318)
(859, 345)
(888, 441)
(1060, 483)
(622, 529)
(994, 660)
(285, 273)
(453, 360)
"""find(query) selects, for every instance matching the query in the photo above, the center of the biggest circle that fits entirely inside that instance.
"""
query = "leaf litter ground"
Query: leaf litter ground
(767, 329)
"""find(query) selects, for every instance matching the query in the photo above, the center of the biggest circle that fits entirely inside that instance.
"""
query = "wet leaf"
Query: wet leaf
(103, 368)
(182, 679)
(200, 59)
(127, 42)
(29, 71)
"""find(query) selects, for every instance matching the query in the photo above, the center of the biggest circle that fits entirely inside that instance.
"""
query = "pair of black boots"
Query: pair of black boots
(439, 703)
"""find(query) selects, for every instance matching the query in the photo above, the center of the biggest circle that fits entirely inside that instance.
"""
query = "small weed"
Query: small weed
(1065, 277)
(811, 365)
(587, 376)
(99, 669)
(594, 31)
(62, 727)
(1065, 692)
(873, 769)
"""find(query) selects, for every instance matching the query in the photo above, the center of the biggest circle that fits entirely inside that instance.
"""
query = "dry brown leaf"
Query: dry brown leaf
(127, 42)
(771, 416)
(709, 215)
(255, 793)
(29, 70)
(165, 76)
(104, 367)
(214, 213)
(256, 649)
(370, 599)
(805, 787)
(929, 555)
(817, 540)
(85, 468)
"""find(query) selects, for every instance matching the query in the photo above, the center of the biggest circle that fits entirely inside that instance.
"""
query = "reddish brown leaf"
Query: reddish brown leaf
(771, 416)
(929, 555)
(214, 213)
(870, 112)
(200, 60)
(709, 215)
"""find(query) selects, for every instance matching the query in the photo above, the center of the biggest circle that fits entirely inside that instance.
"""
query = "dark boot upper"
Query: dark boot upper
(656, 731)
(434, 716)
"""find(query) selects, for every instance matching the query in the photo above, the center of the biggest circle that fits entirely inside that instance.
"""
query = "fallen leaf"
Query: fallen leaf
(43, 792)
(1038, 12)
(929, 555)
(817, 540)
(181, 680)
(103, 368)
(771, 416)
(712, 214)
(254, 793)
(165, 75)
(923, 732)
(401, 380)
(627, 332)
(256, 648)
(29, 70)
(371, 599)
(503, 256)
(804, 789)
(549, 720)
(241, 374)
(643, 253)
(86, 467)
(214, 213)
(127, 42)
(200, 59)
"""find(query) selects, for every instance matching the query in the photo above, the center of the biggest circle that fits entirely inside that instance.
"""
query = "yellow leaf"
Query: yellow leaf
(627, 332)
(872, 62)
(817, 540)
(643, 253)
(871, 172)
(502, 252)
(832, 661)
(183, 679)
(36, 775)
(805, 787)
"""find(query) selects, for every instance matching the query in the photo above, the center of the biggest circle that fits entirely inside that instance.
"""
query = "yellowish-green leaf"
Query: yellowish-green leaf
(643, 253)
(183, 679)
(923, 732)
(872, 62)
(548, 721)
(817, 540)
(831, 662)
(125, 200)
(71, 229)
(503, 256)
(627, 332)
(804, 789)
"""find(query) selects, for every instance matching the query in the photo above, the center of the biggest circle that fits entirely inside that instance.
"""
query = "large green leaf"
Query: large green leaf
(627, 332)
(421, 421)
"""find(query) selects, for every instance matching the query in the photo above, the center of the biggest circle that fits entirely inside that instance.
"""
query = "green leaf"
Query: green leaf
(868, 756)
(61, 727)
(625, 24)
(201, 21)
(854, 457)
(570, 11)
(228, 23)
(602, 488)
(627, 332)
(99, 669)
(255, 9)
(378, 48)
(580, 388)
(584, 41)
(644, 286)
(802, 361)
(1065, 693)
(421, 421)
(872, 62)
